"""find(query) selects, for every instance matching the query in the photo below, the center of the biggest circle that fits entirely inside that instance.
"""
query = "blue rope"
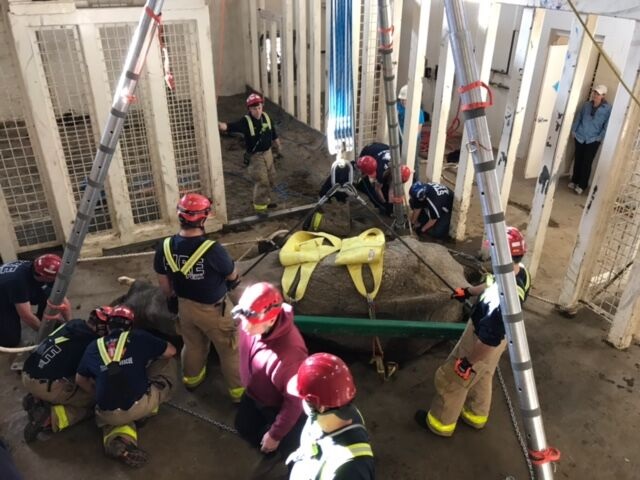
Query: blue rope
(340, 123)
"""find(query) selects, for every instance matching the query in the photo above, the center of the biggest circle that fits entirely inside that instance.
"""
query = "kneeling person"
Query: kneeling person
(115, 369)
(54, 402)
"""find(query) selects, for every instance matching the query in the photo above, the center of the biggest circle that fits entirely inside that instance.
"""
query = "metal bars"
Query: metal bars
(66, 76)
(185, 113)
(20, 177)
(134, 142)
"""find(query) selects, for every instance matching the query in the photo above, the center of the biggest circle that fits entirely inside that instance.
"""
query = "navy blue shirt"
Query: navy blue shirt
(487, 316)
(18, 285)
(437, 203)
(382, 154)
(52, 360)
(141, 348)
(206, 282)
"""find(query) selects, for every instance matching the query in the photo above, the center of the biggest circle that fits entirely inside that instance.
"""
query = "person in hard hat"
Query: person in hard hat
(23, 284)
(271, 350)
(54, 402)
(130, 372)
(431, 206)
(401, 106)
(260, 137)
(588, 130)
(195, 274)
(464, 382)
(373, 163)
(334, 444)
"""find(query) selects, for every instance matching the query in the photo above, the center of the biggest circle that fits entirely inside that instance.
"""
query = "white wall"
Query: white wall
(10, 104)
(228, 46)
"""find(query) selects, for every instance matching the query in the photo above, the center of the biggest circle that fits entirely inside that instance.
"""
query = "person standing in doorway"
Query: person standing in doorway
(259, 137)
(588, 131)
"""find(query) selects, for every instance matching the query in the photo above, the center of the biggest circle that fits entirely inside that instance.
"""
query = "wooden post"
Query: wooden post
(315, 64)
(302, 111)
(288, 55)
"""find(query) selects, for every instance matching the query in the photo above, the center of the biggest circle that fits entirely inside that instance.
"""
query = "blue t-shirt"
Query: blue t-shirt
(205, 283)
(487, 316)
(53, 360)
(437, 203)
(141, 348)
(18, 285)
(382, 154)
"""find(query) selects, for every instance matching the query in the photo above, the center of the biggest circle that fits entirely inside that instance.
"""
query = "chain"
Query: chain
(215, 423)
(516, 428)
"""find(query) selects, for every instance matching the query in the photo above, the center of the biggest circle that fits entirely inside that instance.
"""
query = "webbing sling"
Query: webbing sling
(117, 355)
(188, 265)
(367, 248)
(252, 130)
(302, 253)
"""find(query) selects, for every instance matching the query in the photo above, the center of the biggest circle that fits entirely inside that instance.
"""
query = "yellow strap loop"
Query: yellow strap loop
(302, 253)
(366, 248)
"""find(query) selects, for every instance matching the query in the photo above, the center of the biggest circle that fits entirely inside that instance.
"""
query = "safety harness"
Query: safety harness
(265, 126)
(117, 384)
(193, 259)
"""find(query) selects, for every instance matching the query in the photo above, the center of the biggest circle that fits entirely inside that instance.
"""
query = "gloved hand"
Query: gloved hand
(172, 304)
(463, 368)
(246, 159)
(461, 294)
(231, 284)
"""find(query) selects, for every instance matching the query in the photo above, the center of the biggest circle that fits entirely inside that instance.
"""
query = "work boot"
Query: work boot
(262, 215)
(572, 185)
(39, 421)
(28, 402)
(272, 205)
(126, 452)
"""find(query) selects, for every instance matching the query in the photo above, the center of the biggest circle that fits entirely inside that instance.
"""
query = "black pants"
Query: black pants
(10, 328)
(440, 229)
(585, 153)
(253, 421)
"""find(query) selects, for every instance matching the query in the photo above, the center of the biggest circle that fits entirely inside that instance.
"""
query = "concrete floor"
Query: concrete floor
(589, 398)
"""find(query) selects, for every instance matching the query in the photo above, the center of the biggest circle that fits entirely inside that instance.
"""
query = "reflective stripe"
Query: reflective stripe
(60, 340)
(316, 220)
(197, 380)
(188, 265)
(478, 420)
(236, 393)
(155, 410)
(360, 450)
(252, 131)
(123, 430)
(117, 356)
(61, 415)
(260, 208)
(439, 426)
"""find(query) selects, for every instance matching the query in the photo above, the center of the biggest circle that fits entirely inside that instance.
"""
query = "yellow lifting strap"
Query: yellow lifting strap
(188, 265)
(366, 248)
(302, 253)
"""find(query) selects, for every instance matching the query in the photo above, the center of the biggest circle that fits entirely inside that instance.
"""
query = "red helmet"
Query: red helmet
(260, 303)
(193, 209)
(405, 173)
(367, 165)
(254, 99)
(323, 380)
(517, 245)
(121, 316)
(99, 317)
(47, 266)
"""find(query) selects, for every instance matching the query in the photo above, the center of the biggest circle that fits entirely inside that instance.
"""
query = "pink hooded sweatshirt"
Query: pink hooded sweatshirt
(266, 365)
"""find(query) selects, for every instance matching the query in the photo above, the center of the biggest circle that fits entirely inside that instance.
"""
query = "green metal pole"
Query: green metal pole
(383, 327)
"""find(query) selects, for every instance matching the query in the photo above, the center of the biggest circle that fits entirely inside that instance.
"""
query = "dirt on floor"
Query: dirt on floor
(588, 390)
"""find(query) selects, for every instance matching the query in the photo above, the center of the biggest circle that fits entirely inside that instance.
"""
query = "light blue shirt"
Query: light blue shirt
(590, 124)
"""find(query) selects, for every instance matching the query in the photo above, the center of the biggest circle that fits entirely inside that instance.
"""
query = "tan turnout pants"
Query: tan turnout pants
(162, 374)
(263, 173)
(200, 325)
(455, 396)
(69, 404)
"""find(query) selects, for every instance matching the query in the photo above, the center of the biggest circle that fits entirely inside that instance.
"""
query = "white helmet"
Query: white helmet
(402, 94)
